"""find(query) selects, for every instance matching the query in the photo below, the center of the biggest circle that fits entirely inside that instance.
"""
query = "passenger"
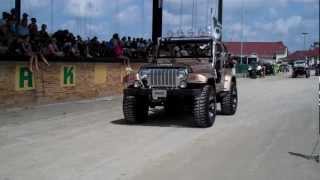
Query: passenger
(176, 52)
(184, 52)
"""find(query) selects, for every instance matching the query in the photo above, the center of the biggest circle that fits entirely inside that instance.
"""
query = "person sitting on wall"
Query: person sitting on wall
(25, 17)
(82, 47)
(12, 21)
(4, 32)
(15, 47)
(33, 27)
(75, 49)
(43, 34)
(94, 47)
(67, 48)
(43, 38)
(4, 19)
(141, 47)
(23, 29)
(53, 49)
(118, 49)
(27, 51)
(38, 51)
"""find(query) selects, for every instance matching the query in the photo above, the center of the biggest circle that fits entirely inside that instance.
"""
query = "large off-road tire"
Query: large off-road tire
(229, 102)
(135, 109)
(204, 108)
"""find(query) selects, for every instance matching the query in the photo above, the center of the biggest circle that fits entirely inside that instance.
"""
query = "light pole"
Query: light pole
(242, 26)
(304, 34)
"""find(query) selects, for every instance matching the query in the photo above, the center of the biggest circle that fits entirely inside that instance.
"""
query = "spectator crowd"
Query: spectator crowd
(24, 38)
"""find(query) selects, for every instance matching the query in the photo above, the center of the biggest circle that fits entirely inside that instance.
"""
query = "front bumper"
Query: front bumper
(300, 71)
(170, 92)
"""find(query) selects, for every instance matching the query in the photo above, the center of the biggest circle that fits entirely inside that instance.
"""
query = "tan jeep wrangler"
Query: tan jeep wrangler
(193, 72)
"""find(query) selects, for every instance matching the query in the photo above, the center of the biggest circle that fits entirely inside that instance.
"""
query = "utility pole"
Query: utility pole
(242, 26)
(18, 9)
(157, 20)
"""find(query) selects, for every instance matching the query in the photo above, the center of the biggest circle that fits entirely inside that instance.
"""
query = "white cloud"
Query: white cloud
(174, 19)
(86, 8)
(283, 26)
(36, 3)
(130, 15)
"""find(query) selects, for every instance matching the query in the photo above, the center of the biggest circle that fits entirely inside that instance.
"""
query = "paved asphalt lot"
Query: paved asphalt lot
(88, 140)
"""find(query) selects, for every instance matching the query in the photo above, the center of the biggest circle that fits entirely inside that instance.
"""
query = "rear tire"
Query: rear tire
(135, 109)
(229, 102)
(204, 108)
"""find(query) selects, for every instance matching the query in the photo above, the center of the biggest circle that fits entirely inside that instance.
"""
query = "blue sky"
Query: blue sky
(273, 20)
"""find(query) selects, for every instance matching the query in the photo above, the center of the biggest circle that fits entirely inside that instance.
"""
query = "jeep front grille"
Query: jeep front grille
(166, 78)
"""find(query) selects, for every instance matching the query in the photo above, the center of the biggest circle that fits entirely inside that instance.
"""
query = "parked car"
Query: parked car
(255, 70)
(269, 69)
(301, 68)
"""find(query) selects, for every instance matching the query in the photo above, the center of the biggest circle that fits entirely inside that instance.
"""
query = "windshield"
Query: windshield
(185, 50)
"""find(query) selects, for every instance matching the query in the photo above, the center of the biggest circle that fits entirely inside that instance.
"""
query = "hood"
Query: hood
(193, 66)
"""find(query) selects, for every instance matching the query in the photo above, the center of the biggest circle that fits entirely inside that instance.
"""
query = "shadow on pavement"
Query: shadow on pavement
(307, 157)
(160, 118)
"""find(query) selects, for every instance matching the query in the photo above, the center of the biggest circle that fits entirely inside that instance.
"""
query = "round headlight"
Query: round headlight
(136, 84)
(144, 73)
(183, 84)
(182, 74)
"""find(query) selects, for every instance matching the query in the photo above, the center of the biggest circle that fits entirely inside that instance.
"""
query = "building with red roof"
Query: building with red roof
(313, 55)
(266, 52)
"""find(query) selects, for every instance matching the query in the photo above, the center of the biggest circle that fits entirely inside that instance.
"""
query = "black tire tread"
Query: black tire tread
(135, 110)
(200, 108)
(227, 103)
